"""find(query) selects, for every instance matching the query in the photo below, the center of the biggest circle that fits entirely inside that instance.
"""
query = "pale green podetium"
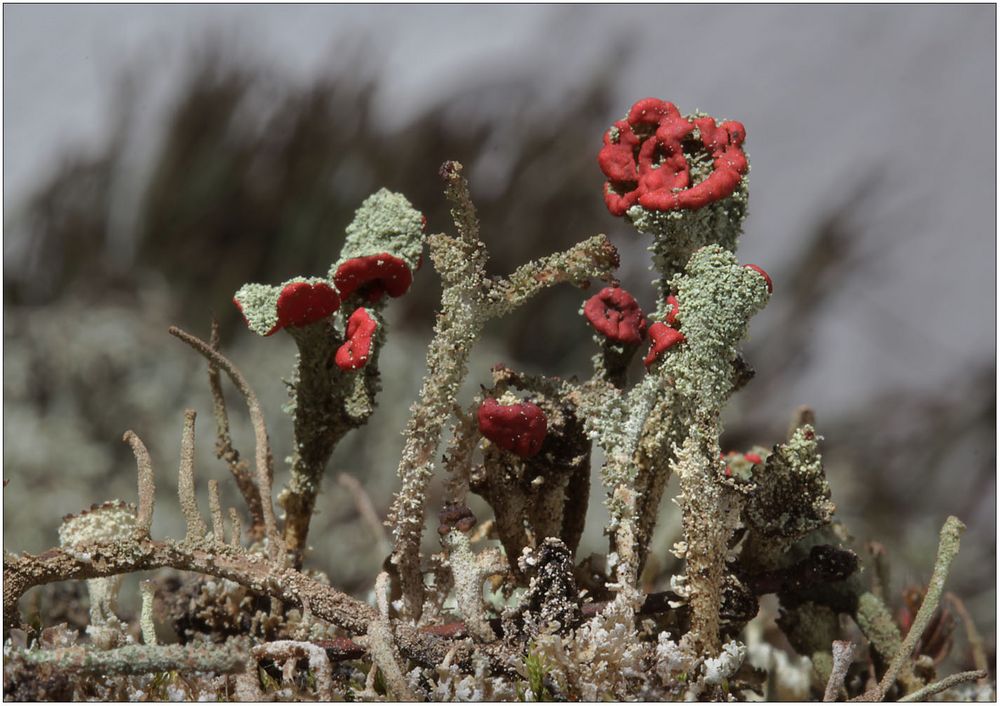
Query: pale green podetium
(385, 222)
(717, 299)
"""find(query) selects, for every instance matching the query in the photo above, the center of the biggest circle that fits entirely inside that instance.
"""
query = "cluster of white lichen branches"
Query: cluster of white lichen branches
(505, 610)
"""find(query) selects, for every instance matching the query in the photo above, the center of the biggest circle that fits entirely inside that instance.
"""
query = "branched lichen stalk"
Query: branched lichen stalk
(461, 263)
(469, 298)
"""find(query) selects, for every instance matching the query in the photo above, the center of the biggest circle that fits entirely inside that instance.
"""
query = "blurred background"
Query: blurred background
(158, 157)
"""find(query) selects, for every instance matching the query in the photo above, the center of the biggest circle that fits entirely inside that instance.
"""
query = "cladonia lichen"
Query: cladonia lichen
(506, 607)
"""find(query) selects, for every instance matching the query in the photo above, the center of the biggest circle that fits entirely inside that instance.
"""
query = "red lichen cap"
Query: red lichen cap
(753, 458)
(767, 277)
(374, 276)
(643, 158)
(616, 315)
(303, 303)
(518, 428)
(357, 349)
(663, 337)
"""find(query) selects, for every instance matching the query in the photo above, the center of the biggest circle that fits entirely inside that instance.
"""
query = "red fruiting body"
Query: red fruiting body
(767, 277)
(518, 428)
(374, 276)
(302, 303)
(663, 337)
(646, 164)
(616, 315)
(671, 318)
(753, 458)
(356, 350)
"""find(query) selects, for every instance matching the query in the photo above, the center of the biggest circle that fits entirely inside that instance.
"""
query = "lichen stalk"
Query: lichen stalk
(224, 448)
(196, 528)
(147, 591)
(146, 483)
(228, 658)
(461, 262)
(717, 298)
(215, 511)
(381, 644)
(468, 300)
(317, 431)
(468, 577)
(262, 447)
(948, 547)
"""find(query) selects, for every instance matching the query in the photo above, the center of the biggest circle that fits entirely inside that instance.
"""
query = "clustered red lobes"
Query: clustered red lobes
(518, 428)
(616, 315)
(647, 165)
(663, 337)
(374, 276)
(357, 349)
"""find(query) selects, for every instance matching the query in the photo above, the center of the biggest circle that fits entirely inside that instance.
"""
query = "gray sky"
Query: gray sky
(827, 93)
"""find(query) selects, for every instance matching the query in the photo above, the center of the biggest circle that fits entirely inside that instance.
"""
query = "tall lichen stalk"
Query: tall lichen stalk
(505, 610)
(470, 298)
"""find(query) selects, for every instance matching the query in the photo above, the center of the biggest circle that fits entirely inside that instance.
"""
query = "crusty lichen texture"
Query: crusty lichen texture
(506, 606)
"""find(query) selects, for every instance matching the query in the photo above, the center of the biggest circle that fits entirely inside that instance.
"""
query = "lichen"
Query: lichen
(503, 609)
